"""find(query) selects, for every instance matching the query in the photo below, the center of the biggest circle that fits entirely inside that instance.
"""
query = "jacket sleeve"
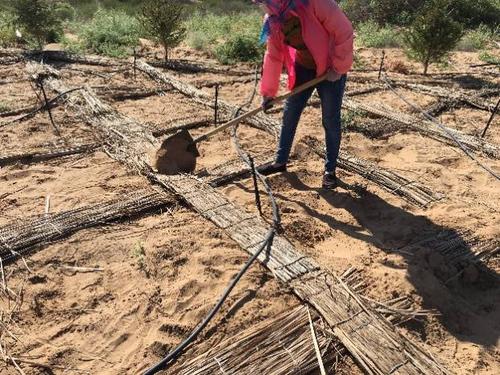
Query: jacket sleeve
(273, 66)
(340, 29)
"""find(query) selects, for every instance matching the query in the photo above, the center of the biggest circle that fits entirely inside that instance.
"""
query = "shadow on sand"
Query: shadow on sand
(469, 302)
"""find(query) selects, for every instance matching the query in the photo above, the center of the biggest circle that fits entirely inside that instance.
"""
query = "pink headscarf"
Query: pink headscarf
(277, 10)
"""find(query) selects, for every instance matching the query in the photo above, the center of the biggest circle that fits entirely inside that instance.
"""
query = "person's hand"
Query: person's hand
(333, 76)
(267, 103)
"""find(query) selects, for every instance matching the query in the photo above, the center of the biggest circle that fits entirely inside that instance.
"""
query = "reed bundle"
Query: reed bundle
(368, 336)
(426, 128)
(412, 191)
(284, 344)
(47, 154)
(22, 237)
(461, 248)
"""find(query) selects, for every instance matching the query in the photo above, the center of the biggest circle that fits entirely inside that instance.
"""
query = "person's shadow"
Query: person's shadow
(443, 270)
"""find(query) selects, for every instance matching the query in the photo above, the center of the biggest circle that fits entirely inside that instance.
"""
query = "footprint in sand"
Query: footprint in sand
(188, 292)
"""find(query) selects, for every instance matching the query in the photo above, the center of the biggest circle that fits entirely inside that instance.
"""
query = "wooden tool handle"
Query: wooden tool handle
(255, 111)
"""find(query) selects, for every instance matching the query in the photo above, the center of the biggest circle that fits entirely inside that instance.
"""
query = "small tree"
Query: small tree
(433, 33)
(40, 19)
(163, 21)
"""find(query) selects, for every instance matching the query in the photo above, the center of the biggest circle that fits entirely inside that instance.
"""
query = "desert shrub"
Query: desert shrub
(227, 37)
(394, 12)
(369, 34)
(7, 29)
(475, 39)
(226, 6)
(357, 10)
(110, 33)
(402, 12)
(359, 62)
(65, 11)
(163, 21)
(397, 66)
(238, 48)
(85, 9)
(4, 107)
(41, 20)
(489, 58)
(473, 14)
(433, 34)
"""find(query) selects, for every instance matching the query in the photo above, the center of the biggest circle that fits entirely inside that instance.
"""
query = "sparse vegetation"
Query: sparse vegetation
(42, 20)
(238, 48)
(229, 30)
(382, 12)
(477, 39)
(370, 34)
(359, 62)
(4, 107)
(86, 9)
(7, 29)
(139, 254)
(489, 58)
(433, 34)
(229, 38)
(163, 21)
(471, 14)
(110, 32)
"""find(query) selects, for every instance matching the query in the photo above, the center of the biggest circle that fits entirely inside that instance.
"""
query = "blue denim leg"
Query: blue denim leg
(292, 112)
(331, 94)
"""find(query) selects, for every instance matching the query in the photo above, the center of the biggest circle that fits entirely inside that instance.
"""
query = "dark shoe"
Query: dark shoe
(271, 168)
(330, 181)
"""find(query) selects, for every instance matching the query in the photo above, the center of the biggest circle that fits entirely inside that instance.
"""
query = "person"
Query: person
(310, 38)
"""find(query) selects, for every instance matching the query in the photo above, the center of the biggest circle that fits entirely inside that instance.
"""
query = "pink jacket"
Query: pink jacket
(328, 35)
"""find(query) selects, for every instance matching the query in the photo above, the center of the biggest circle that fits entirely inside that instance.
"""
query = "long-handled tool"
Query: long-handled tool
(178, 153)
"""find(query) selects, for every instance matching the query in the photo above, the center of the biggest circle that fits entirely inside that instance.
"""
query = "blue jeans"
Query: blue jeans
(331, 94)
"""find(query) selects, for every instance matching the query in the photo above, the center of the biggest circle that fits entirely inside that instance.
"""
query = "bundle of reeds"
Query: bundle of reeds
(21, 237)
(284, 344)
(476, 101)
(412, 191)
(426, 128)
(47, 154)
(124, 138)
(377, 347)
(25, 235)
(461, 248)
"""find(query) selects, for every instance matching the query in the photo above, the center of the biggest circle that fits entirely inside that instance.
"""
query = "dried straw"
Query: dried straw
(22, 237)
(412, 191)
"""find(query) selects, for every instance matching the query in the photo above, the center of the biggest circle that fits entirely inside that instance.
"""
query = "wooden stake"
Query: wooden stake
(216, 106)
(135, 64)
(316, 345)
(381, 65)
(47, 204)
(47, 106)
(491, 119)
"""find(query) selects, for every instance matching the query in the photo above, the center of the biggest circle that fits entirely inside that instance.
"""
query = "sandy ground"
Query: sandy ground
(154, 278)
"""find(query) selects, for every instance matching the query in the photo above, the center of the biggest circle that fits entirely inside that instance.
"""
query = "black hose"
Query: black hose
(177, 352)
(169, 359)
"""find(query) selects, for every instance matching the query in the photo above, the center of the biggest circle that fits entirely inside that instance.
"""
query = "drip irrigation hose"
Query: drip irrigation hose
(170, 359)
(177, 352)
(441, 126)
